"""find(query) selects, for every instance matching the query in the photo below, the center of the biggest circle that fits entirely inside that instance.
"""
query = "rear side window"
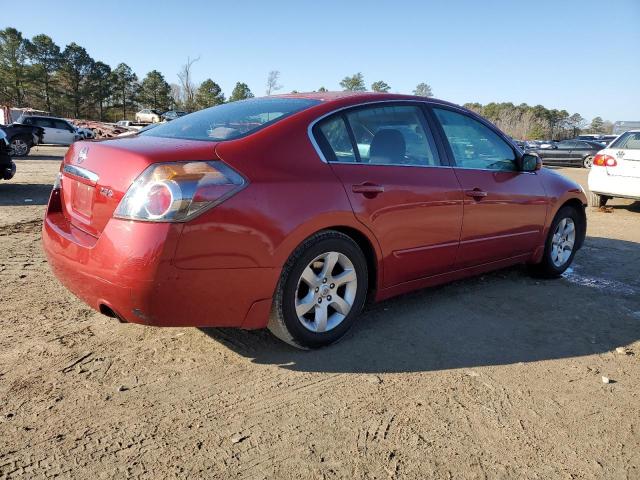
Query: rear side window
(474, 145)
(628, 141)
(393, 135)
(231, 120)
(337, 144)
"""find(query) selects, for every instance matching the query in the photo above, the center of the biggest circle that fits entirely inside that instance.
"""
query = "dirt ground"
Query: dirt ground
(495, 377)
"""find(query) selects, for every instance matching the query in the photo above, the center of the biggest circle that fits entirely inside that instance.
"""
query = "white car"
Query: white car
(148, 115)
(85, 133)
(616, 170)
(56, 130)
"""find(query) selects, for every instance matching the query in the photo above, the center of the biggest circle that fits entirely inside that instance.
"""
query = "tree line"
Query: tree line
(537, 122)
(68, 82)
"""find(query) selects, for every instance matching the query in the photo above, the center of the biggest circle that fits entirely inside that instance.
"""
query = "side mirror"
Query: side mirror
(530, 162)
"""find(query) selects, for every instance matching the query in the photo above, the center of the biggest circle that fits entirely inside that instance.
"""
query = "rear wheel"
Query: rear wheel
(560, 247)
(597, 200)
(322, 290)
(587, 162)
(19, 147)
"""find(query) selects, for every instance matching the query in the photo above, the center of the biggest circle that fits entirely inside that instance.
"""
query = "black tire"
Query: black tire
(284, 322)
(597, 200)
(587, 162)
(7, 172)
(547, 268)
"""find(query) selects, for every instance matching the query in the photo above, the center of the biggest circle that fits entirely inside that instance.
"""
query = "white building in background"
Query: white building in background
(622, 126)
(9, 115)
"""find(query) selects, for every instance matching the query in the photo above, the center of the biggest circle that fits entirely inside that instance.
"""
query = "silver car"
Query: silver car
(148, 115)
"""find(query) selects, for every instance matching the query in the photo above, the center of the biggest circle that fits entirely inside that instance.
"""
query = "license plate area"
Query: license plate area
(82, 197)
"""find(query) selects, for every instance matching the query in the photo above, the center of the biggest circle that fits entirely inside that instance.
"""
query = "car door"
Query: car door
(66, 134)
(548, 155)
(504, 209)
(582, 150)
(50, 135)
(399, 185)
(563, 152)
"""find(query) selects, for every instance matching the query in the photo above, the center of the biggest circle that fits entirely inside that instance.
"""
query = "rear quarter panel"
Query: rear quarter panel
(291, 194)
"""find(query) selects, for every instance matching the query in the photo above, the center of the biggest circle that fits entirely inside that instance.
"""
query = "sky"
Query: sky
(581, 56)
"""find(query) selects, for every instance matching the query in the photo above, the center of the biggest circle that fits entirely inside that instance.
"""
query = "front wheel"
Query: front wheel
(560, 247)
(19, 147)
(321, 291)
(587, 162)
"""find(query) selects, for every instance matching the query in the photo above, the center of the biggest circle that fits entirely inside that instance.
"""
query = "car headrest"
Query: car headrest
(387, 146)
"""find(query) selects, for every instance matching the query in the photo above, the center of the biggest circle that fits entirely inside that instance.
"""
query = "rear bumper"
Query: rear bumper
(614, 186)
(129, 270)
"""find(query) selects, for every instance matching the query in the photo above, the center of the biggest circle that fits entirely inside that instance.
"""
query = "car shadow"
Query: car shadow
(14, 194)
(35, 156)
(632, 207)
(500, 318)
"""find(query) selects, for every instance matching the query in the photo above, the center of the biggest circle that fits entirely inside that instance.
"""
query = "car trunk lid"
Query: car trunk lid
(627, 163)
(96, 175)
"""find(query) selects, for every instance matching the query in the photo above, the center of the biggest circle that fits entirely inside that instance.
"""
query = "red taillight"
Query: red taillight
(603, 160)
(178, 191)
(159, 200)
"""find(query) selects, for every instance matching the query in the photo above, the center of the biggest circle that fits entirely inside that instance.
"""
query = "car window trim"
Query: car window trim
(484, 122)
(352, 139)
(324, 145)
(342, 111)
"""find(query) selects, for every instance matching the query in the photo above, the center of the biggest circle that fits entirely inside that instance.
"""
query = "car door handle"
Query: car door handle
(369, 190)
(475, 193)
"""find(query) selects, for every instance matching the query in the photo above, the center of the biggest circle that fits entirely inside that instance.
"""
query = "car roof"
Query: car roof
(43, 116)
(354, 98)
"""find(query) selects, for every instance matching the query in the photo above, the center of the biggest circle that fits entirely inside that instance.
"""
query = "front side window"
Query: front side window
(473, 144)
(44, 123)
(231, 120)
(59, 124)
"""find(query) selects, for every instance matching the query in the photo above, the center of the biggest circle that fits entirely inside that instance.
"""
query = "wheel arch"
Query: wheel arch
(373, 265)
(359, 234)
(579, 207)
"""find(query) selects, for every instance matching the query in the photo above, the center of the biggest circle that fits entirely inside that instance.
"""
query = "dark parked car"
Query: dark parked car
(22, 137)
(173, 114)
(570, 152)
(7, 167)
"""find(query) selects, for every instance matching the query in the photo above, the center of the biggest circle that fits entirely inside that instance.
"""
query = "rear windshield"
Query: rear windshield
(628, 140)
(231, 120)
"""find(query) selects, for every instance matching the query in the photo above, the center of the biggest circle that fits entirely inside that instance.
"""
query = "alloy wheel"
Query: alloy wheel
(19, 148)
(326, 292)
(563, 240)
(588, 162)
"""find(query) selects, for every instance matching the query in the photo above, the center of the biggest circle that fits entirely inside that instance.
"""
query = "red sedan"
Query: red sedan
(290, 212)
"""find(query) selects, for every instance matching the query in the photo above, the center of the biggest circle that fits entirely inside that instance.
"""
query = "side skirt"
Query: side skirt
(449, 276)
